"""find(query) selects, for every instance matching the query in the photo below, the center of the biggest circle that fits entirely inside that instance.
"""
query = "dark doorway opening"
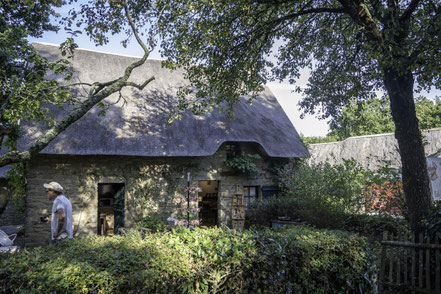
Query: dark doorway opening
(110, 208)
(208, 202)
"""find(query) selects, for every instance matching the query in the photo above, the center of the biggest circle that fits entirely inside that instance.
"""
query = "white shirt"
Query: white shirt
(61, 202)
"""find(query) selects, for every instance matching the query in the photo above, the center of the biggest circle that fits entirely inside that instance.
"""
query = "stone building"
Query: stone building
(132, 162)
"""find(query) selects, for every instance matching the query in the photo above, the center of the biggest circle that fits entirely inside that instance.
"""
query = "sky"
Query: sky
(284, 92)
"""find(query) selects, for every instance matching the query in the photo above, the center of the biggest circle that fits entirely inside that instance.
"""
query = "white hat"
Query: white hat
(54, 186)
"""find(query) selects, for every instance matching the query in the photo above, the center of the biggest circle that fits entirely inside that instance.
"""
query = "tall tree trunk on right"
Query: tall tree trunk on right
(414, 168)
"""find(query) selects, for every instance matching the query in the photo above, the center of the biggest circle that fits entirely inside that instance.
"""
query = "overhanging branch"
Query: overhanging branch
(410, 9)
(140, 86)
(97, 92)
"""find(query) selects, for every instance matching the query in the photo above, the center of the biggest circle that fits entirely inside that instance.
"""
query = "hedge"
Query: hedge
(216, 260)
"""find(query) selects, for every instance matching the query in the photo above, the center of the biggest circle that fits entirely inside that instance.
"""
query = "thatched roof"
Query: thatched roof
(141, 127)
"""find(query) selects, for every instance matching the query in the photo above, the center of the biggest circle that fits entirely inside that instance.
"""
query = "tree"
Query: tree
(372, 116)
(25, 86)
(22, 71)
(27, 89)
(352, 47)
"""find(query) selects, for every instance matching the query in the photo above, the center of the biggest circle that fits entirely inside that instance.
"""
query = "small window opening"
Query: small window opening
(269, 191)
(232, 150)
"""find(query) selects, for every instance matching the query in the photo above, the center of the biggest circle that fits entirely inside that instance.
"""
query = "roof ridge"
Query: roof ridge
(98, 51)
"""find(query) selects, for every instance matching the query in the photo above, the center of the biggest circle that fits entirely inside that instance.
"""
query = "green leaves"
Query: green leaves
(215, 260)
(25, 88)
(245, 163)
(337, 187)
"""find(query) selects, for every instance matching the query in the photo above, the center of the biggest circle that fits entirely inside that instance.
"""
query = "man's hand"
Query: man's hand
(45, 219)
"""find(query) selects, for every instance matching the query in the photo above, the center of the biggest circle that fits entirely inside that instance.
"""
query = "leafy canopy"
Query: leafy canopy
(226, 46)
(24, 82)
(346, 44)
(27, 90)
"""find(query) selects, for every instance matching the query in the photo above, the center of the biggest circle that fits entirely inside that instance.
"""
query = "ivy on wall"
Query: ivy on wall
(245, 163)
(17, 182)
(16, 177)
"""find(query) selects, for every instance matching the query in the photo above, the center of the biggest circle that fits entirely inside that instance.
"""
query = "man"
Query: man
(61, 219)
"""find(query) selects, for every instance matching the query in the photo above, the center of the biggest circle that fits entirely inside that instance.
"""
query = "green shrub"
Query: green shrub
(170, 262)
(338, 187)
(154, 223)
(311, 211)
(304, 260)
(217, 260)
(373, 226)
(260, 213)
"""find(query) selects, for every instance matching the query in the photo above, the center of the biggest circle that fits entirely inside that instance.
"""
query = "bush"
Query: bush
(304, 260)
(339, 187)
(384, 192)
(386, 197)
(154, 223)
(373, 226)
(217, 260)
(311, 211)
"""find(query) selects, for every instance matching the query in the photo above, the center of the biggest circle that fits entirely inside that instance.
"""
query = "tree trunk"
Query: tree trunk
(414, 168)
(4, 198)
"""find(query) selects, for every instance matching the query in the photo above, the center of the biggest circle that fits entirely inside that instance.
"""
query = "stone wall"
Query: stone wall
(151, 185)
(369, 151)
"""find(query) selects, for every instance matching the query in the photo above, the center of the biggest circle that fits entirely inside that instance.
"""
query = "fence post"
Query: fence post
(383, 263)
(412, 269)
(406, 269)
(391, 261)
(420, 262)
(428, 265)
(398, 265)
(437, 268)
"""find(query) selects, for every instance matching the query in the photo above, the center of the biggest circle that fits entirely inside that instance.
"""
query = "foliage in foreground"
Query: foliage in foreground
(215, 260)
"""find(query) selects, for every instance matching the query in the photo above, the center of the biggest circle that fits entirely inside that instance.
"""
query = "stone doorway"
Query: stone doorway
(208, 201)
(110, 208)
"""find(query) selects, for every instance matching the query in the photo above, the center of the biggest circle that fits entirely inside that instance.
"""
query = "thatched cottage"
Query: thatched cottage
(132, 162)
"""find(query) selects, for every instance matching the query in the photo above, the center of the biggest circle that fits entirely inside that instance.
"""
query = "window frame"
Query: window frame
(232, 149)
(249, 198)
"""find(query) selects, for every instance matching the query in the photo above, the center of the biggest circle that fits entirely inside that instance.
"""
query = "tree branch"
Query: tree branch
(410, 9)
(97, 92)
(310, 11)
(140, 86)
(360, 13)
(135, 32)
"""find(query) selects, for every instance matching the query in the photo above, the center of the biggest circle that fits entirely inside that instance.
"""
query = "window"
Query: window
(249, 194)
(269, 191)
(232, 150)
